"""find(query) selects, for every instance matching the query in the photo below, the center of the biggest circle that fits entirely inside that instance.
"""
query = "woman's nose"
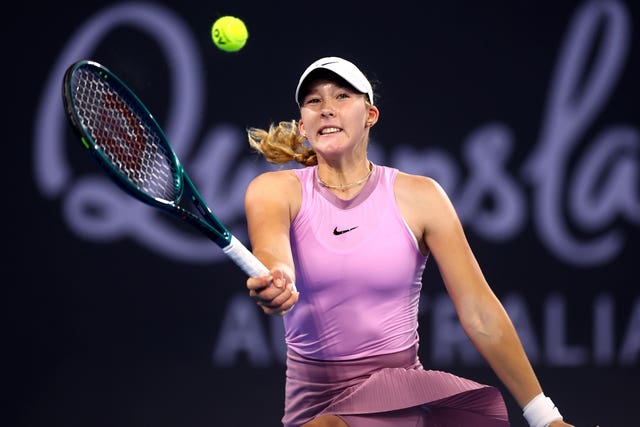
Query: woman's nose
(327, 111)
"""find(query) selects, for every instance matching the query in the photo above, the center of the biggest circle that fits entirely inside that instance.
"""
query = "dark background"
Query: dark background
(114, 333)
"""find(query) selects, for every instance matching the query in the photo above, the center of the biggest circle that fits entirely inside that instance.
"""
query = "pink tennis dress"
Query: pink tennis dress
(352, 337)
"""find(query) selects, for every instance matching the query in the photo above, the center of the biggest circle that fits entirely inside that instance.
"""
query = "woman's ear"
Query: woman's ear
(301, 128)
(372, 116)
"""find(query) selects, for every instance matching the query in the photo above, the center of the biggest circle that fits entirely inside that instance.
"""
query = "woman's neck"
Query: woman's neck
(344, 181)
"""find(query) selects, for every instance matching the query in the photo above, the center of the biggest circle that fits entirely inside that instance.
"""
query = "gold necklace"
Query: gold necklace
(345, 186)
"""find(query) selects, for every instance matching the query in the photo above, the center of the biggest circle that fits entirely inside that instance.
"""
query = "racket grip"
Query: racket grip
(244, 258)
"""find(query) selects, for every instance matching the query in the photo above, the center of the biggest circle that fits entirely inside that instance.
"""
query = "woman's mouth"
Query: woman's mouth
(329, 130)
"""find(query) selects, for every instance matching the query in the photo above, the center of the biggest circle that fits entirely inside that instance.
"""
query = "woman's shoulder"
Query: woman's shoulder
(425, 197)
(422, 194)
(418, 184)
(279, 177)
(275, 191)
(266, 184)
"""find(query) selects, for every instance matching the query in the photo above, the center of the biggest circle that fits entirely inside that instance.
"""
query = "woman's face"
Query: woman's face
(335, 118)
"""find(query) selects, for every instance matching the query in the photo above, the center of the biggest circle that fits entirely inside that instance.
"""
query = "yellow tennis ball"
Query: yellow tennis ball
(229, 33)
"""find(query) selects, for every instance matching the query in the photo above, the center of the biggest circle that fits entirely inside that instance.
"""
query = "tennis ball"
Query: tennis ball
(229, 33)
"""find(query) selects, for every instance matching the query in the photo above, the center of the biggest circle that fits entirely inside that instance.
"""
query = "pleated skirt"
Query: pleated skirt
(388, 390)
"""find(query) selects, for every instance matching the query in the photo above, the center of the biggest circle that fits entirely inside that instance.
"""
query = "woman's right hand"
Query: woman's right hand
(275, 293)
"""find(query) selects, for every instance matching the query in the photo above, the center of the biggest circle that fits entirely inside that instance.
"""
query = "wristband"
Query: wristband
(541, 411)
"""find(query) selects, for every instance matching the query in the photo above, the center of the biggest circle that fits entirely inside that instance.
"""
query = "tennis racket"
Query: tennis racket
(126, 141)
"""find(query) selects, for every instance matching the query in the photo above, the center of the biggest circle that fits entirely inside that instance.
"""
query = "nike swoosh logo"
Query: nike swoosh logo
(337, 232)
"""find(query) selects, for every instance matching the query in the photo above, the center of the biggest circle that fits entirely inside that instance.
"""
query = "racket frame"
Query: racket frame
(210, 226)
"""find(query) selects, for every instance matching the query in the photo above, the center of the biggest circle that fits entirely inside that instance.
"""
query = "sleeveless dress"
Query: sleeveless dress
(352, 340)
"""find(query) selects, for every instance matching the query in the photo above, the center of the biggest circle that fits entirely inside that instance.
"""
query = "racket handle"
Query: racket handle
(244, 258)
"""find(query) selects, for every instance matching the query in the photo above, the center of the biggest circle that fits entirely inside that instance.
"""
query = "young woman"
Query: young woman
(354, 237)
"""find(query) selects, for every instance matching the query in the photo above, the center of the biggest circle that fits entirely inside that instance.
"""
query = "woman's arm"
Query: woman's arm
(431, 215)
(271, 203)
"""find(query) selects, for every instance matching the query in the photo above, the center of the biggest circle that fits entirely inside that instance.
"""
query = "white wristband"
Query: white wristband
(540, 411)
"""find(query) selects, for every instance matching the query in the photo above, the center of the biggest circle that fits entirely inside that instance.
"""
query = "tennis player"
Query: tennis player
(354, 237)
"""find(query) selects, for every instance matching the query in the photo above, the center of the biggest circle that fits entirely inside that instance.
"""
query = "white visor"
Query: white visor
(342, 68)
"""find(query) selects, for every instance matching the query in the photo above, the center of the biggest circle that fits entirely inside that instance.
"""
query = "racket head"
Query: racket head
(121, 134)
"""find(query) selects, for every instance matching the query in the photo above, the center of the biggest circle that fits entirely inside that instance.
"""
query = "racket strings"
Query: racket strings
(126, 135)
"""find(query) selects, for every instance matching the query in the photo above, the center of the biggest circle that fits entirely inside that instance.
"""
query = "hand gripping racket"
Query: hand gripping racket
(127, 142)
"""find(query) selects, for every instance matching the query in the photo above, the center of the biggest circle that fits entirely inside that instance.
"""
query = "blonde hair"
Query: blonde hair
(282, 143)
